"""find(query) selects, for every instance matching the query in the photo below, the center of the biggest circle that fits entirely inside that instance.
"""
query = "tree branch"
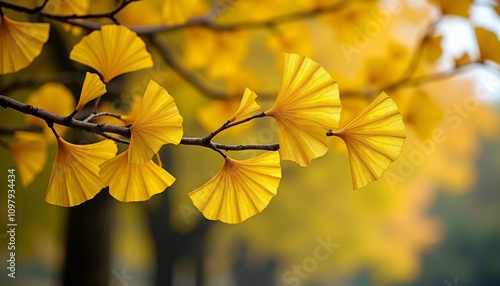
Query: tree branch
(207, 22)
(420, 80)
(414, 62)
(203, 21)
(70, 18)
(94, 115)
(8, 102)
(102, 129)
(199, 141)
(168, 55)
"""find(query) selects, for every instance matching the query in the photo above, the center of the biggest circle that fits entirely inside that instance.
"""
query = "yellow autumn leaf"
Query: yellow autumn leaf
(247, 105)
(135, 106)
(453, 7)
(178, 12)
(153, 8)
(66, 8)
(221, 53)
(55, 98)
(307, 106)
(75, 175)
(112, 51)
(158, 122)
(488, 43)
(374, 140)
(216, 112)
(129, 182)
(290, 37)
(30, 153)
(462, 60)
(92, 88)
(240, 190)
(433, 49)
(411, 102)
(20, 43)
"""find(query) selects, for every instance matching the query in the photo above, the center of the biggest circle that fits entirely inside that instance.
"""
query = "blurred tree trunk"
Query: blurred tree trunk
(88, 242)
(171, 245)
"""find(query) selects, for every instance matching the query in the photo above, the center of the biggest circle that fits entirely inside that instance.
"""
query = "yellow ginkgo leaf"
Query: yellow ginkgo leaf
(135, 106)
(92, 88)
(129, 182)
(20, 43)
(112, 51)
(216, 112)
(488, 43)
(178, 12)
(30, 153)
(247, 105)
(463, 60)
(373, 140)
(66, 8)
(452, 7)
(307, 106)
(433, 49)
(221, 53)
(75, 175)
(55, 98)
(158, 122)
(240, 190)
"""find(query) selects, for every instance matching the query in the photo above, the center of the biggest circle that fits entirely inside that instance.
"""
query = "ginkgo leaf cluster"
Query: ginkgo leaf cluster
(307, 110)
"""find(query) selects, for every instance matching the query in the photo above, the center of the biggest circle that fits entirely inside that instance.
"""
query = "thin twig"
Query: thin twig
(94, 115)
(219, 130)
(228, 124)
(119, 140)
(169, 56)
(415, 61)
(61, 120)
(260, 115)
(51, 126)
(173, 61)
(420, 80)
(70, 18)
(199, 141)
(101, 129)
(204, 21)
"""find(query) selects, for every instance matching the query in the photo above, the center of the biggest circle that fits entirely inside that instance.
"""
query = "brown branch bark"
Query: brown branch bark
(61, 120)
(101, 129)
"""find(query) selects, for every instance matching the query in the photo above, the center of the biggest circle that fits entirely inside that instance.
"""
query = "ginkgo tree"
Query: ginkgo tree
(307, 110)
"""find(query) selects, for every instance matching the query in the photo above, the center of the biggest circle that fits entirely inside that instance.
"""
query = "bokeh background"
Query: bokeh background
(431, 219)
